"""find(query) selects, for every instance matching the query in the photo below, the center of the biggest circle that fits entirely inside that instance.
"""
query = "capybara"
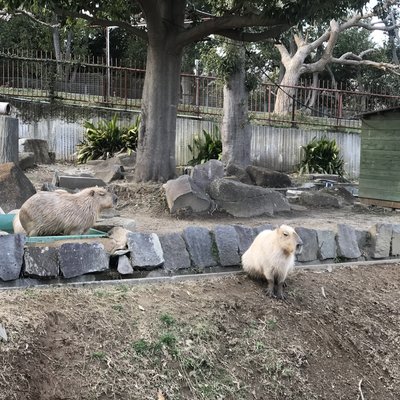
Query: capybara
(271, 256)
(63, 213)
(17, 227)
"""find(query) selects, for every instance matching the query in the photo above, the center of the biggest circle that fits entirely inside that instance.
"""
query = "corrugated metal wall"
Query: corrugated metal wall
(275, 148)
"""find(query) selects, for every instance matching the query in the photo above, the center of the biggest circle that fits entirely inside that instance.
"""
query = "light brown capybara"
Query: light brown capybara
(63, 213)
(271, 256)
(17, 227)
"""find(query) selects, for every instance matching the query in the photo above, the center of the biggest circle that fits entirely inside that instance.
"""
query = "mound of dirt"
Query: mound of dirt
(145, 203)
(336, 337)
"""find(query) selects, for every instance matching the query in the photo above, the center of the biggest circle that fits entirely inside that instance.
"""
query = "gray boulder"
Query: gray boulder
(41, 261)
(109, 170)
(381, 238)
(320, 199)
(268, 178)
(183, 194)
(175, 253)
(204, 174)
(310, 244)
(127, 160)
(347, 243)
(15, 187)
(146, 251)
(38, 147)
(26, 160)
(241, 200)
(239, 173)
(12, 252)
(227, 242)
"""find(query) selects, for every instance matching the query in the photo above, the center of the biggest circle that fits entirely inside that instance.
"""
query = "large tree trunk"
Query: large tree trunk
(236, 132)
(156, 147)
(286, 94)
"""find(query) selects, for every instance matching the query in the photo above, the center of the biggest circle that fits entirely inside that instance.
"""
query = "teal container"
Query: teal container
(6, 221)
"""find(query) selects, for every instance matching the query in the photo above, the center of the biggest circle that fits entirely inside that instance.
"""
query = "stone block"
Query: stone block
(310, 244)
(263, 227)
(12, 252)
(241, 200)
(347, 244)
(200, 247)
(381, 239)
(246, 235)
(124, 265)
(78, 182)
(176, 255)
(146, 251)
(396, 240)
(227, 241)
(41, 261)
(326, 244)
(364, 241)
(204, 174)
(107, 224)
(82, 258)
(38, 147)
(268, 178)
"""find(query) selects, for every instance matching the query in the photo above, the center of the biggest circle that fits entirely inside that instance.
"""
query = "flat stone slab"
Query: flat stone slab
(146, 252)
(396, 240)
(176, 255)
(200, 246)
(82, 258)
(41, 261)
(11, 256)
(347, 244)
(227, 241)
(78, 182)
(124, 265)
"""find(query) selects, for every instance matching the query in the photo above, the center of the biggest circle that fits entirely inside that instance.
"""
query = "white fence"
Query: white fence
(274, 148)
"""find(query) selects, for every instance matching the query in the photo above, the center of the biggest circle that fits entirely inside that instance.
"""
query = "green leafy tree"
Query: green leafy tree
(170, 26)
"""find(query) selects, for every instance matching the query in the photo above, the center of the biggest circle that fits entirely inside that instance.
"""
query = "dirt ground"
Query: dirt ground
(146, 204)
(337, 336)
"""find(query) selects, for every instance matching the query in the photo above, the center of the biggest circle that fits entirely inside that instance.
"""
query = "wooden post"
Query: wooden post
(8, 139)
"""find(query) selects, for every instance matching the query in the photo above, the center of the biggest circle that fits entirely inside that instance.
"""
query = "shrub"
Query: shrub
(321, 156)
(106, 139)
(207, 148)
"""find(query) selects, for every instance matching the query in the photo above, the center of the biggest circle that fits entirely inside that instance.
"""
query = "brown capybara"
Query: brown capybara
(271, 256)
(63, 213)
(17, 227)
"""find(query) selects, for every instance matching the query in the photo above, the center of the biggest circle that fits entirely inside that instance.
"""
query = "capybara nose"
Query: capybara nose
(115, 199)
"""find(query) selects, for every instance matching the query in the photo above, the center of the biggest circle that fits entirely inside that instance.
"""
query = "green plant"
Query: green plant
(207, 148)
(103, 140)
(322, 156)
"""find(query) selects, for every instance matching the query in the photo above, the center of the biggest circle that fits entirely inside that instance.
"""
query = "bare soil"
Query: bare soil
(146, 204)
(337, 336)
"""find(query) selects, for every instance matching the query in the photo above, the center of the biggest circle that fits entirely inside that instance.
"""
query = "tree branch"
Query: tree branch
(32, 17)
(395, 69)
(229, 23)
(251, 37)
(103, 22)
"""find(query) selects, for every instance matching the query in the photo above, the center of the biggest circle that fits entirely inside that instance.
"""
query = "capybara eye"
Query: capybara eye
(285, 234)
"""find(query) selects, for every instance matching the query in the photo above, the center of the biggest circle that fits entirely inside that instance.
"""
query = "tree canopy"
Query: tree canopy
(169, 26)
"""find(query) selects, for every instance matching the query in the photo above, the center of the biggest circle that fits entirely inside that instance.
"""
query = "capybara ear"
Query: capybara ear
(92, 192)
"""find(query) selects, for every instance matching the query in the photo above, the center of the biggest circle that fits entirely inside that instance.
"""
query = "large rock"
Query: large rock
(347, 243)
(227, 241)
(175, 253)
(12, 252)
(239, 173)
(246, 235)
(326, 244)
(41, 261)
(381, 238)
(310, 244)
(146, 251)
(320, 200)
(200, 246)
(109, 170)
(204, 174)
(38, 147)
(184, 195)
(82, 258)
(26, 160)
(396, 240)
(241, 200)
(15, 187)
(268, 178)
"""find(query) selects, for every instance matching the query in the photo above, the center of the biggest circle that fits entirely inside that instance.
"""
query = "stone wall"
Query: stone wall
(195, 249)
